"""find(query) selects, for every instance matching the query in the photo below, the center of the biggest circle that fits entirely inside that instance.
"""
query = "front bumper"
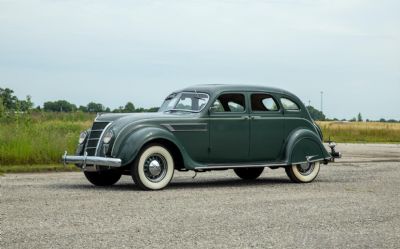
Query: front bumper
(91, 160)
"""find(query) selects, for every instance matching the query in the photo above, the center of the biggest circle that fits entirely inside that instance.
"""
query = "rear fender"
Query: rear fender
(305, 146)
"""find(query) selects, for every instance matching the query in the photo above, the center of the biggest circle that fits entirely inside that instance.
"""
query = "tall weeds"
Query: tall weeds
(39, 138)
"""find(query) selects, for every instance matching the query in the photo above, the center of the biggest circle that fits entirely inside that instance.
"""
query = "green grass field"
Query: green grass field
(35, 142)
(361, 132)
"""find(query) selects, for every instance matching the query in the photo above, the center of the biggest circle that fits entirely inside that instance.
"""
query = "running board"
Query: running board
(234, 166)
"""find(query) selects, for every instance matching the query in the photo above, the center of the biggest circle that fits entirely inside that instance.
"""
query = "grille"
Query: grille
(94, 136)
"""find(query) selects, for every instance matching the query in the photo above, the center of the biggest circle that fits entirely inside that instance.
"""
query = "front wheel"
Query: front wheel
(153, 169)
(303, 173)
(103, 178)
(249, 173)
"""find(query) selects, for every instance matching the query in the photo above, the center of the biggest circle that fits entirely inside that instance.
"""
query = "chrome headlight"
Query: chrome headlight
(82, 137)
(108, 136)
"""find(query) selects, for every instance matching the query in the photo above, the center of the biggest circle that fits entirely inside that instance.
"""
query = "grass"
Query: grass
(361, 132)
(35, 142)
(39, 139)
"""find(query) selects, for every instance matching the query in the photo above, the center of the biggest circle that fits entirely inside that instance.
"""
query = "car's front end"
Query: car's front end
(94, 148)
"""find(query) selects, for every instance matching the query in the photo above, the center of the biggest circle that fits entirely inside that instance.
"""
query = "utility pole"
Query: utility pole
(322, 97)
(309, 103)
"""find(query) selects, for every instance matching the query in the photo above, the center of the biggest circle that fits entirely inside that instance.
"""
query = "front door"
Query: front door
(229, 129)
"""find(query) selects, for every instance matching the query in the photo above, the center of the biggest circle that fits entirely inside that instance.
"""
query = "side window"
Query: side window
(231, 102)
(263, 103)
(289, 105)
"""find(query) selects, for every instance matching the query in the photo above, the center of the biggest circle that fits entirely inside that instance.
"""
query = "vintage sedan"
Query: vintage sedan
(203, 128)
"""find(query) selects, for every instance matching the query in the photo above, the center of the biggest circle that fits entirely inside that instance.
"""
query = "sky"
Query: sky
(117, 51)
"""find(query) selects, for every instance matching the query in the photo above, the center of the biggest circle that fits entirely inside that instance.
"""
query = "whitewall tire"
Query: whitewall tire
(153, 168)
(303, 173)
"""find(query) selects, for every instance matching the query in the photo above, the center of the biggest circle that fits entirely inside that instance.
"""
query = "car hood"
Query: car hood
(122, 119)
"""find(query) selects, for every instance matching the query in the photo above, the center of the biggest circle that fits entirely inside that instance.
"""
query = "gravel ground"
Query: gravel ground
(353, 204)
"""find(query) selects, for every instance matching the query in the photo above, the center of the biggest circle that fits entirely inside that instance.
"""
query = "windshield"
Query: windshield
(185, 101)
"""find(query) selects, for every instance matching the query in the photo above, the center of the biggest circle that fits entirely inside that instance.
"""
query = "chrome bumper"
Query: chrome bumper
(91, 160)
(334, 154)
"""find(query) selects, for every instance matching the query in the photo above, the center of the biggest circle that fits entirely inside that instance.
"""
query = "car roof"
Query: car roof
(217, 88)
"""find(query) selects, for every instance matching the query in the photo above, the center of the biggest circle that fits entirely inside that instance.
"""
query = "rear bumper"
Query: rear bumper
(334, 154)
(91, 160)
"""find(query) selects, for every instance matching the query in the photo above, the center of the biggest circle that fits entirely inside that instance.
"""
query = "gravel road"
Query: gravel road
(354, 203)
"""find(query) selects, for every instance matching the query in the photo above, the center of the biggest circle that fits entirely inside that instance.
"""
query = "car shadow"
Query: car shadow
(183, 185)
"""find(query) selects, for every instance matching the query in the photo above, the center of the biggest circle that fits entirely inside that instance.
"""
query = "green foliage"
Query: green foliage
(10, 102)
(2, 109)
(316, 114)
(8, 98)
(95, 107)
(59, 106)
(359, 117)
(129, 107)
(40, 138)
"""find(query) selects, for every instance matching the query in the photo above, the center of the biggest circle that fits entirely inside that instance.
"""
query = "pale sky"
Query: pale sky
(113, 52)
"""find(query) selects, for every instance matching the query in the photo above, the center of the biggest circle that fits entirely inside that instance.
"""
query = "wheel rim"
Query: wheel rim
(155, 167)
(305, 169)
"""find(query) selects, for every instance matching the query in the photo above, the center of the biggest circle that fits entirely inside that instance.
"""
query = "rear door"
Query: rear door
(266, 128)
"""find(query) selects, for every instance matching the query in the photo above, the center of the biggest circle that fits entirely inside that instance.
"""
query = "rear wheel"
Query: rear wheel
(103, 178)
(303, 173)
(249, 173)
(154, 167)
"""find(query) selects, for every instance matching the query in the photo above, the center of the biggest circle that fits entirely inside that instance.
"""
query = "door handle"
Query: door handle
(245, 117)
(255, 117)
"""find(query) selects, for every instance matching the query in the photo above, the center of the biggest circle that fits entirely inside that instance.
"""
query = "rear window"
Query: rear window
(263, 103)
(289, 105)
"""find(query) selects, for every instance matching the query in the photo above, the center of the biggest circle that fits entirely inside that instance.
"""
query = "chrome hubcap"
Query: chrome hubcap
(305, 168)
(155, 167)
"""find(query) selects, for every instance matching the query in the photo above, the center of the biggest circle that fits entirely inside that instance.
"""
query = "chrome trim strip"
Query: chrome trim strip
(100, 138)
(311, 161)
(170, 127)
(233, 166)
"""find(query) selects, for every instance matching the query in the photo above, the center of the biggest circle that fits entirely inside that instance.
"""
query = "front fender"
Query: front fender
(127, 146)
(304, 145)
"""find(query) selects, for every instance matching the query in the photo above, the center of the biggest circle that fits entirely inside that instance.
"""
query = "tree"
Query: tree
(95, 107)
(153, 109)
(129, 107)
(59, 106)
(9, 99)
(26, 105)
(359, 117)
(316, 114)
(2, 109)
(82, 108)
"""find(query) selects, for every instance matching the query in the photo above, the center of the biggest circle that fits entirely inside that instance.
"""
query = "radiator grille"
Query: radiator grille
(94, 136)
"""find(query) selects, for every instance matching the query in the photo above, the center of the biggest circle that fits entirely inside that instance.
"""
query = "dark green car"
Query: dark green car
(202, 128)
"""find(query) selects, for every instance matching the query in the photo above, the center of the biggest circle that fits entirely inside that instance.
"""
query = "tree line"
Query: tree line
(9, 103)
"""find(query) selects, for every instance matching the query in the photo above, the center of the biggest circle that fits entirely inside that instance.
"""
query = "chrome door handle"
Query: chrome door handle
(245, 117)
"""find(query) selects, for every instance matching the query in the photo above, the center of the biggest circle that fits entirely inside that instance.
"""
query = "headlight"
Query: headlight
(82, 137)
(108, 136)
